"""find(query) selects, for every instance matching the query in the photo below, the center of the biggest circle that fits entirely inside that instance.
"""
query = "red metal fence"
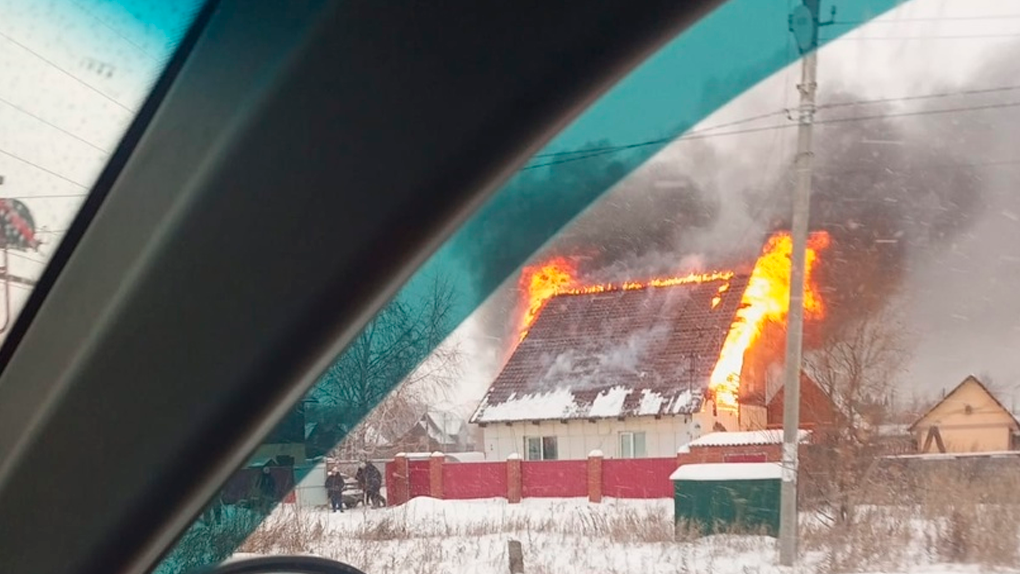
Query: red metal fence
(638, 478)
(554, 478)
(515, 479)
(474, 480)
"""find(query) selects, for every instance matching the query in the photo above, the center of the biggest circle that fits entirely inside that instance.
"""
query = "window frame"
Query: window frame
(543, 443)
(632, 441)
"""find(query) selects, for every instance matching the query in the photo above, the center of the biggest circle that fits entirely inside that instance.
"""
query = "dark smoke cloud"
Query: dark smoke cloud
(885, 189)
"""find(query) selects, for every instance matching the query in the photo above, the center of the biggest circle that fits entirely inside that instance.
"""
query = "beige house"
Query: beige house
(968, 419)
(624, 372)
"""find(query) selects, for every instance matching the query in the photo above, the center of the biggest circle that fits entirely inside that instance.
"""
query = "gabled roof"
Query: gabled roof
(614, 354)
(969, 379)
(745, 438)
(443, 427)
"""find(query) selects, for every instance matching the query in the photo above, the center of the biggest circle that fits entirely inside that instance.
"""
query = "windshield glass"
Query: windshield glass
(76, 73)
(605, 366)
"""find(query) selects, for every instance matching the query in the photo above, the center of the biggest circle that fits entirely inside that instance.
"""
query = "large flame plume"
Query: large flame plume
(765, 300)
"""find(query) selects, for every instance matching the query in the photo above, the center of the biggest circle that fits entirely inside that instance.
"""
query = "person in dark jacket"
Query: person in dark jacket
(373, 484)
(359, 478)
(335, 490)
(265, 489)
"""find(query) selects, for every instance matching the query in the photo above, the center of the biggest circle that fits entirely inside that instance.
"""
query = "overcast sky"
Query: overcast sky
(962, 312)
(75, 71)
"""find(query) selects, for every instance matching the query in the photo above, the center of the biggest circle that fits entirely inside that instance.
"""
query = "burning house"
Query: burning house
(638, 369)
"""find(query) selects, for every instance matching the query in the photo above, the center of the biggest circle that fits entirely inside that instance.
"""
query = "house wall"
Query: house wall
(576, 438)
(816, 408)
(267, 451)
(984, 427)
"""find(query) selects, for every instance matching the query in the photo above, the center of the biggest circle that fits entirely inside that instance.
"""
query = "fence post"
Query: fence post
(516, 556)
(513, 478)
(402, 480)
(595, 476)
(436, 475)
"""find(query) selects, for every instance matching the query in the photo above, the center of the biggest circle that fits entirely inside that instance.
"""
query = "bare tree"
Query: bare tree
(384, 381)
(857, 363)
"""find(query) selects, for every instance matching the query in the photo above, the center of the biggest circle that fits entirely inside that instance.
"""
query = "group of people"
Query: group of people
(369, 481)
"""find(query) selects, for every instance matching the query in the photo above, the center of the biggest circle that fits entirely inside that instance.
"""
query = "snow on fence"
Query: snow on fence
(514, 479)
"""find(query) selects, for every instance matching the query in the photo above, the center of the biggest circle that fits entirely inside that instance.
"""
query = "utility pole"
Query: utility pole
(804, 25)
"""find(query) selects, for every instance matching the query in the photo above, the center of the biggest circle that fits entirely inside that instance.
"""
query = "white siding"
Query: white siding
(576, 438)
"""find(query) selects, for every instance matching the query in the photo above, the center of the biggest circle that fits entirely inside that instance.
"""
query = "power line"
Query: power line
(117, 32)
(700, 135)
(41, 168)
(49, 196)
(920, 97)
(922, 113)
(26, 257)
(702, 130)
(54, 126)
(928, 19)
(65, 72)
(944, 37)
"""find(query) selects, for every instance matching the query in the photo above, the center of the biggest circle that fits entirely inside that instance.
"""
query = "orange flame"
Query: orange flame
(541, 282)
(557, 276)
(765, 299)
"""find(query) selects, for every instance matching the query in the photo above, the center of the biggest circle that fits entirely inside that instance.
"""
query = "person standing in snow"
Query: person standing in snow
(359, 478)
(335, 489)
(373, 484)
(265, 489)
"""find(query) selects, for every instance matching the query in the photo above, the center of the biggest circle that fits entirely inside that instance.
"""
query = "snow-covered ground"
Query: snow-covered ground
(559, 536)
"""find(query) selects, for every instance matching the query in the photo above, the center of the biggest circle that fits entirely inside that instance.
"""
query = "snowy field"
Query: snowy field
(570, 535)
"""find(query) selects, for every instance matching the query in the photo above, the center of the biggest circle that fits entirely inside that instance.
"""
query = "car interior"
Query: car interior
(293, 167)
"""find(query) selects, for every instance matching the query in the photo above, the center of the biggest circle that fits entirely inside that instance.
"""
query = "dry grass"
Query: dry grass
(950, 515)
(948, 518)
(566, 538)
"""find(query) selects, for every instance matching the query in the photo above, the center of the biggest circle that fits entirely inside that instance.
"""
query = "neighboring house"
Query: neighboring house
(624, 372)
(435, 431)
(817, 409)
(968, 419)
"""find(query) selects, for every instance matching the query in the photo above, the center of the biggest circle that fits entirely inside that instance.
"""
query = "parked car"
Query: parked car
(353, 495)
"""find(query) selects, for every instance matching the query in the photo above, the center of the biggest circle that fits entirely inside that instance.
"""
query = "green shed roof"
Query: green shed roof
(729, 471)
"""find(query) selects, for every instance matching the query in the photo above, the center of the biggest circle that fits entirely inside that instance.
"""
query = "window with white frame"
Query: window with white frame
(632, 445)
(540, 448)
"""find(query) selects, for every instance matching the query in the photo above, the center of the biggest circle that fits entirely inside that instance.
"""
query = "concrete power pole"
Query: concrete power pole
(804, 25)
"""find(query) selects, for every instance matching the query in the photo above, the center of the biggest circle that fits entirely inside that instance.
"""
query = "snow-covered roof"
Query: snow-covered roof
(641, 352)
(742, 438)
(729, 471)
(443, 427)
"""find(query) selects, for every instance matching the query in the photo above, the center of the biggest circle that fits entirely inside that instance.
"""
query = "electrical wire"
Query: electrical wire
(49, 196)
(116, 32)
(919, 97)
(909, 38)
(665, 139)
(67, 73)
(700, 134)
(926, 19)
(25, 257)
(42, 168)
(54, 126)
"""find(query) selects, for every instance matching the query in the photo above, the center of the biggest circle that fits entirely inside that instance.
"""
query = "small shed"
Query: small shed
(719, 497)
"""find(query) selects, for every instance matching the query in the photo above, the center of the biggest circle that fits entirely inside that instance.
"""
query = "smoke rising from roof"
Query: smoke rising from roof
(924, 211)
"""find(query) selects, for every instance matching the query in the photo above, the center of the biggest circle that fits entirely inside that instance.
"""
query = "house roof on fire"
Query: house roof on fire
(615, 354)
